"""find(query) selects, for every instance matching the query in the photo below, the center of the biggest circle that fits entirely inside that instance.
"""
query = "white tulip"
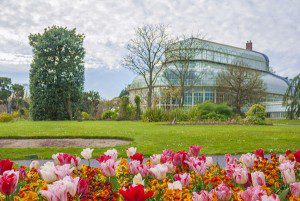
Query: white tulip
(87, 153)
(209, 161)
(35, 165)
(47, 172)
(176, 185)
(138, 180)
(113, 153)
(130, 151)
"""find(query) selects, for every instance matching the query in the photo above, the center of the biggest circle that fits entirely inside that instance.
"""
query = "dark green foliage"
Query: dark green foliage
(137, 109)
(292, 98)
(125, 109)
(256, 115)
(56, 74)
(124, 92)
(90, 102)
(17, 96)
(109, 115)
(209, 110)
(5, 91)
(154, 115)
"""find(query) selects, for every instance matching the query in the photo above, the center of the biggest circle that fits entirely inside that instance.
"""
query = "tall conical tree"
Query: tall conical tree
(56, 74)
(292, 98)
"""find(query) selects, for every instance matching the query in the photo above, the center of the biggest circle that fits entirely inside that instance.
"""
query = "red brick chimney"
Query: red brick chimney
(249, 45)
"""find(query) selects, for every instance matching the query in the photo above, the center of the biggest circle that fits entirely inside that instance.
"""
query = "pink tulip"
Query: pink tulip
(170, 166)
(272, 197)
(159, 171)
(168, 152)
(133, 167)
(83, 186)
(22, 173)
(258, 178)
(183, 178)
(230, 160)
(8, 182)
(62, 171)
(248, 160)
(64, 158)
(195, 150)
(295, 189)
(223, 192)
(155, 159)
(201, 196)
(199, 166)
(179, 158)
(240, 175)
(108, 167)
(288, 172)
(143, 170)
(252, 193)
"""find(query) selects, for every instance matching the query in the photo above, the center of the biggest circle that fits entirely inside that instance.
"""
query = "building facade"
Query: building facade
(209, 61)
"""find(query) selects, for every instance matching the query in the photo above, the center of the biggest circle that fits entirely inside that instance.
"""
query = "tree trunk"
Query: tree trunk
(149, 97)
(69, 108)
(181, 97)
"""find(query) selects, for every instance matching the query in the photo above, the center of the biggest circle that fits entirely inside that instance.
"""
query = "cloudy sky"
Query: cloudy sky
(272, 25)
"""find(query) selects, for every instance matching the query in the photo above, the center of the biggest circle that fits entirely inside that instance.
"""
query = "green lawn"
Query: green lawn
(154, 137)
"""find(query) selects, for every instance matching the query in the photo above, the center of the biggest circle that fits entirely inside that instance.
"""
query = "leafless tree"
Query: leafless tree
(145, 54)
(241, 85)
(179, 56)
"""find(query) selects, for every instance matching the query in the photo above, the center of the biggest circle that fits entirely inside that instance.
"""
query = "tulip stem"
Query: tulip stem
(89, 162)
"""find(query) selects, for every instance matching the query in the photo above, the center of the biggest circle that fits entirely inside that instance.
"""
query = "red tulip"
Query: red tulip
(137, 157)
(135, 193)
(259, 153)
(103, 158)
(8, 182)
(83, 186)
(195, 150)
(179, 157)
(297, 156)
(64, 158)
(5, 164)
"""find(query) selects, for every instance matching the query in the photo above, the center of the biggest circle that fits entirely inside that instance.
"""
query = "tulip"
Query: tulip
(252, 193)
(138, 180)
(258, 178)
(201, 196)
(168, 152)
(70, 183)
(108, 168)
(282, 159)
(113, 153)
(159, 171)
(272, 197)
(87, 153)
(183, 178)
(295, 189)
(297, 156)
(143, 170)
(83, 186)
(135, 193)
(63, 171)
(259, 153)
(47, 172)
(5, 165)
(248, 160)
(64, 158)
(287, 172)
(103, 158)
(137, 157)
(223, 192)
(131, 151)
(199, 166)
(155, 159)
(176, 185)
(209, 161)
(22, 173)
(240, 175)
(170, 166)
(133, 167)
(230, 160)
(195, 150)
(8, 182)
(179, 158)
(34, 165)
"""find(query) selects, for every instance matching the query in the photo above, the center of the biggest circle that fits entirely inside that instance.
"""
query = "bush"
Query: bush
(125, 109)
(109, 115)
(24, 113)
(4, 117)
(256, 115)
(209, 110)
(15, 114)
(86, 116)
(154, 115)
(179, 114)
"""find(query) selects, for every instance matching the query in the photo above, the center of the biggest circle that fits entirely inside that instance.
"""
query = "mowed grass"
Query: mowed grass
(152, 138)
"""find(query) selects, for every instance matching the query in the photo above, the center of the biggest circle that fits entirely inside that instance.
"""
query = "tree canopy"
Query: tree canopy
(56, 74)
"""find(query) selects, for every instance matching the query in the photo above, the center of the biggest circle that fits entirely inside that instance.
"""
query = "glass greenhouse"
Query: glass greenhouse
(211, 58)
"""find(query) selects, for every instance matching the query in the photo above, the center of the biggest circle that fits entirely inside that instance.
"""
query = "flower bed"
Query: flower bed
(181, 175)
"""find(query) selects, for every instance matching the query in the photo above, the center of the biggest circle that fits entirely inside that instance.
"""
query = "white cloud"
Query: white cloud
(108, 25)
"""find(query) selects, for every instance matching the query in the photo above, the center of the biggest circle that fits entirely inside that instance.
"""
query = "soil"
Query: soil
(78, 142)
